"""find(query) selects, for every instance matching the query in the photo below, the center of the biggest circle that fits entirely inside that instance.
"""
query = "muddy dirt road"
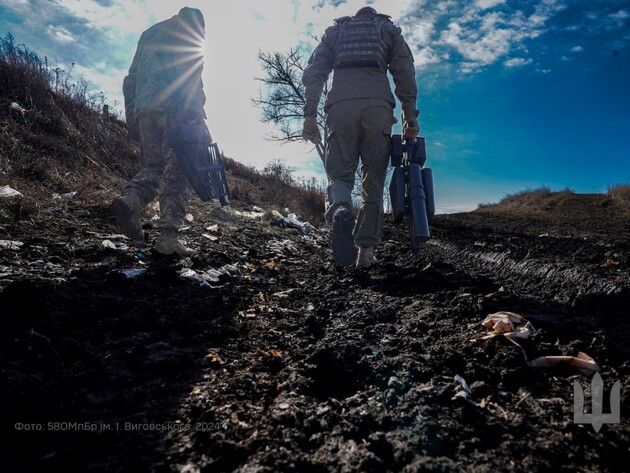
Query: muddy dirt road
(260, 355)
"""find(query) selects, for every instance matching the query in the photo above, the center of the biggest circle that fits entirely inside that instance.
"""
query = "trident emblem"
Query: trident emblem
(596, 418)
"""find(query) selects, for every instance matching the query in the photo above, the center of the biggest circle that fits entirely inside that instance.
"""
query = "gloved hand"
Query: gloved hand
(310, 131)
(411, 128)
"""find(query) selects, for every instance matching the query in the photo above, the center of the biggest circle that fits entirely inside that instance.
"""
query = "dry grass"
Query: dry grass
(534, 197)
(529, 199)
(542, 202)
(620, 193)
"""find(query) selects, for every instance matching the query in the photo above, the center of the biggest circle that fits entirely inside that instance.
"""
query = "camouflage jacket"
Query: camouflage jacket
(165, 74)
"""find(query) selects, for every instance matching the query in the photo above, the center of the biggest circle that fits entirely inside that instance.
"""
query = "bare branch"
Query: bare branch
(282, 97)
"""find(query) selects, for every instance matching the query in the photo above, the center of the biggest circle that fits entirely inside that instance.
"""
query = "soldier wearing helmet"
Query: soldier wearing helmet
(163, 87)
(361, 50)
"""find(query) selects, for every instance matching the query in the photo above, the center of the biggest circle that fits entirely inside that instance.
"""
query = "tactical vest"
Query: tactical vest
(360, 43)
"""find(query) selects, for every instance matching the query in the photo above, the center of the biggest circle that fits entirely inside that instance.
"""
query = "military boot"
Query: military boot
(342, 240)
(169, 244)
(126, 209)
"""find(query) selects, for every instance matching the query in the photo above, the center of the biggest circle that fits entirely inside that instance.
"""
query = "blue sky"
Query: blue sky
(513, 94)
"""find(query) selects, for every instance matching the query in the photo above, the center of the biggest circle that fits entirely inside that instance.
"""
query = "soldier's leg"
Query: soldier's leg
(342, 159)
(376, 125)
(144, 186)
(175, 195)
(174, 200)
(342, 153)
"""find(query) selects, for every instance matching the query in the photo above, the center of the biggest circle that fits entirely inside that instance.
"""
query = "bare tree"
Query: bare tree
(282, 98)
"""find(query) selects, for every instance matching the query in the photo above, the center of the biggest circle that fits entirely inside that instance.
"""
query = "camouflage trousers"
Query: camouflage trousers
(359, 131)
(161, 174)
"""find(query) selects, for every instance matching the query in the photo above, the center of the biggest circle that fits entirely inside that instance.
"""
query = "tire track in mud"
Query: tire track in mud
(565, 283)
(579, 284)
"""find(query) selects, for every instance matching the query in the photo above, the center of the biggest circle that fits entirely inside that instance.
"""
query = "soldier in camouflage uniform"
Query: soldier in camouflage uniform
(359, 116)
(163, 87)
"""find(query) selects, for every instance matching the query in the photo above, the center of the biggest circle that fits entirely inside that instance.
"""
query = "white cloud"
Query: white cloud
(577, 49)
(61, 34)
(476, 48)
(517, 62)
(468, 67)
(490, 21)
(485, 4)
(600, 22)
(123, 17)
(621, 15)
(536, 20)
(617, 20)
(485, 37)
(424, 57)
(418, 32)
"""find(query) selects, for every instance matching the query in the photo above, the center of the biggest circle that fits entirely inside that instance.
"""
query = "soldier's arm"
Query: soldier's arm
(316, 73)
(403, 72)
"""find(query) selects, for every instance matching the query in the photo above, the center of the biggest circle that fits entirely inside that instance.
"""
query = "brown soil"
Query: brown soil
(281, 361)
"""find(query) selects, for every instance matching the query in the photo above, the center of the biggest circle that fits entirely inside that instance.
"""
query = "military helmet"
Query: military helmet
(366, 10)
(193, 17)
